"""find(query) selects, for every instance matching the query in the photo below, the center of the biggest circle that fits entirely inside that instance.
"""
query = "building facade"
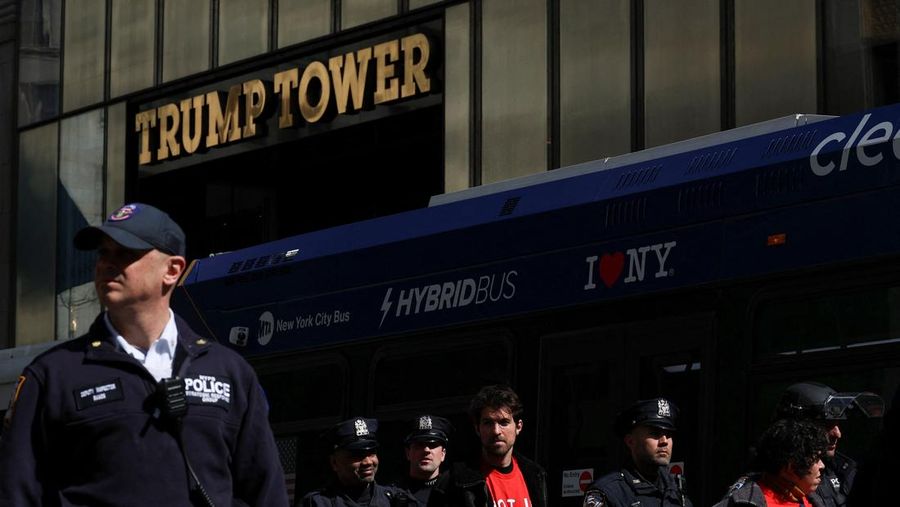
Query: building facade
(506, 88)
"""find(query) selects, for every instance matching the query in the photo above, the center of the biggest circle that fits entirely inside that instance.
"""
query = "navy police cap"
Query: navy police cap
(658, 412)
(429, 428)
(357, 434)
(136, 226)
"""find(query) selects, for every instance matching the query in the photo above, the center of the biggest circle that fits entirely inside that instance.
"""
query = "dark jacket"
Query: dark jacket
(467, 487)
(837, 479)
(377, 495)
(436, 494)
(86, 429)
(743, 492)
(626, 489)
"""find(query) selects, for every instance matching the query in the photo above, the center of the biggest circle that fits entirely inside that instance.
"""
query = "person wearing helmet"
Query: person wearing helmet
(819, 403)
(647, 429)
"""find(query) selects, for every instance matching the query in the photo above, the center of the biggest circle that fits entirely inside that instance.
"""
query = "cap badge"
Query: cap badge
(361, 428)
(123, 213)
(663, 408)
(425, 422)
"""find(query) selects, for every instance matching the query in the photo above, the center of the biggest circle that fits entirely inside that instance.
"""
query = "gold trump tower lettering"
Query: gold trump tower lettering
(339, 86)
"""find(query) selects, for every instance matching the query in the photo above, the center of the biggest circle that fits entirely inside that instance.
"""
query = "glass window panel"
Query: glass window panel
(185, 38)
(580, 384)
(862, 44)
(357, 12)
(415, 4)
(132, 46)
(39, 60)
(243, 29)
(682, 85)
(115, 157)
(7, 183)
(301, 21)
(85, 42)
(807, 324)
(514, 89)
(36, 235)
(594, 80)
(396, 383)
(307, 392)
(775, 59)
(79, 204)
(457, 104)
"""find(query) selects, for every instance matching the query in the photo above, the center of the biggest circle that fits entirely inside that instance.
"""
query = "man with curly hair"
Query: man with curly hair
(789, 466)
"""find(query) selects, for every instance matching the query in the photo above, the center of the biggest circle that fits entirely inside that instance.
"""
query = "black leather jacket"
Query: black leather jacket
(466, 487)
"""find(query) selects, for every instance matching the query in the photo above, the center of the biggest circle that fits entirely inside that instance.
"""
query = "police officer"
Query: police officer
(823, 405)
(89, 424)
(354, 461)
(426, 450)
(647, 429)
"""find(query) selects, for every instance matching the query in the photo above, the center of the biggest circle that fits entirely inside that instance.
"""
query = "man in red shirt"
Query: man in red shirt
(502, 478)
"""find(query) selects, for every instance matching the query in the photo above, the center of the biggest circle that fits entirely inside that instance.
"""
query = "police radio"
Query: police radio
(173, 401)
(172, 409)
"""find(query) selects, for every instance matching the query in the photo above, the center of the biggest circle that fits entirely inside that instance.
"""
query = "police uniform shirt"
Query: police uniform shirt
(82, 430)
(373, 495)
(420, 489)
(627, 489)
(158, 358)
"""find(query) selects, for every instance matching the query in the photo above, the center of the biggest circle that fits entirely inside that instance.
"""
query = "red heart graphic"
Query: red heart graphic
(611, 267)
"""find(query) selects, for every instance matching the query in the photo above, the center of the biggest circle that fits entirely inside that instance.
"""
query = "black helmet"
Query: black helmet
(812, 400)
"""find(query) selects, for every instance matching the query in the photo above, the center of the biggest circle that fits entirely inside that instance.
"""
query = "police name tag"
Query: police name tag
(98, 394)
(208, 390)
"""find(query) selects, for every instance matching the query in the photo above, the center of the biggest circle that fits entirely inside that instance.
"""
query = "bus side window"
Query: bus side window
(305, 392)
(305, 398)
(805, 323)
(405, 374)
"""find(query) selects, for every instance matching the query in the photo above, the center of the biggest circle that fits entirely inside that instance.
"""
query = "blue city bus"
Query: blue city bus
(715, 272)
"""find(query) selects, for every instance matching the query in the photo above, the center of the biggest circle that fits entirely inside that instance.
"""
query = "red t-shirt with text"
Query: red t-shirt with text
(507, 489)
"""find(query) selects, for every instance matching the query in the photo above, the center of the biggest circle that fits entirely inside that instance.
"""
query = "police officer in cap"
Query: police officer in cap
(647, 429)
(354, 461)
(140, 410)
(826, 407)
(426, 450)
